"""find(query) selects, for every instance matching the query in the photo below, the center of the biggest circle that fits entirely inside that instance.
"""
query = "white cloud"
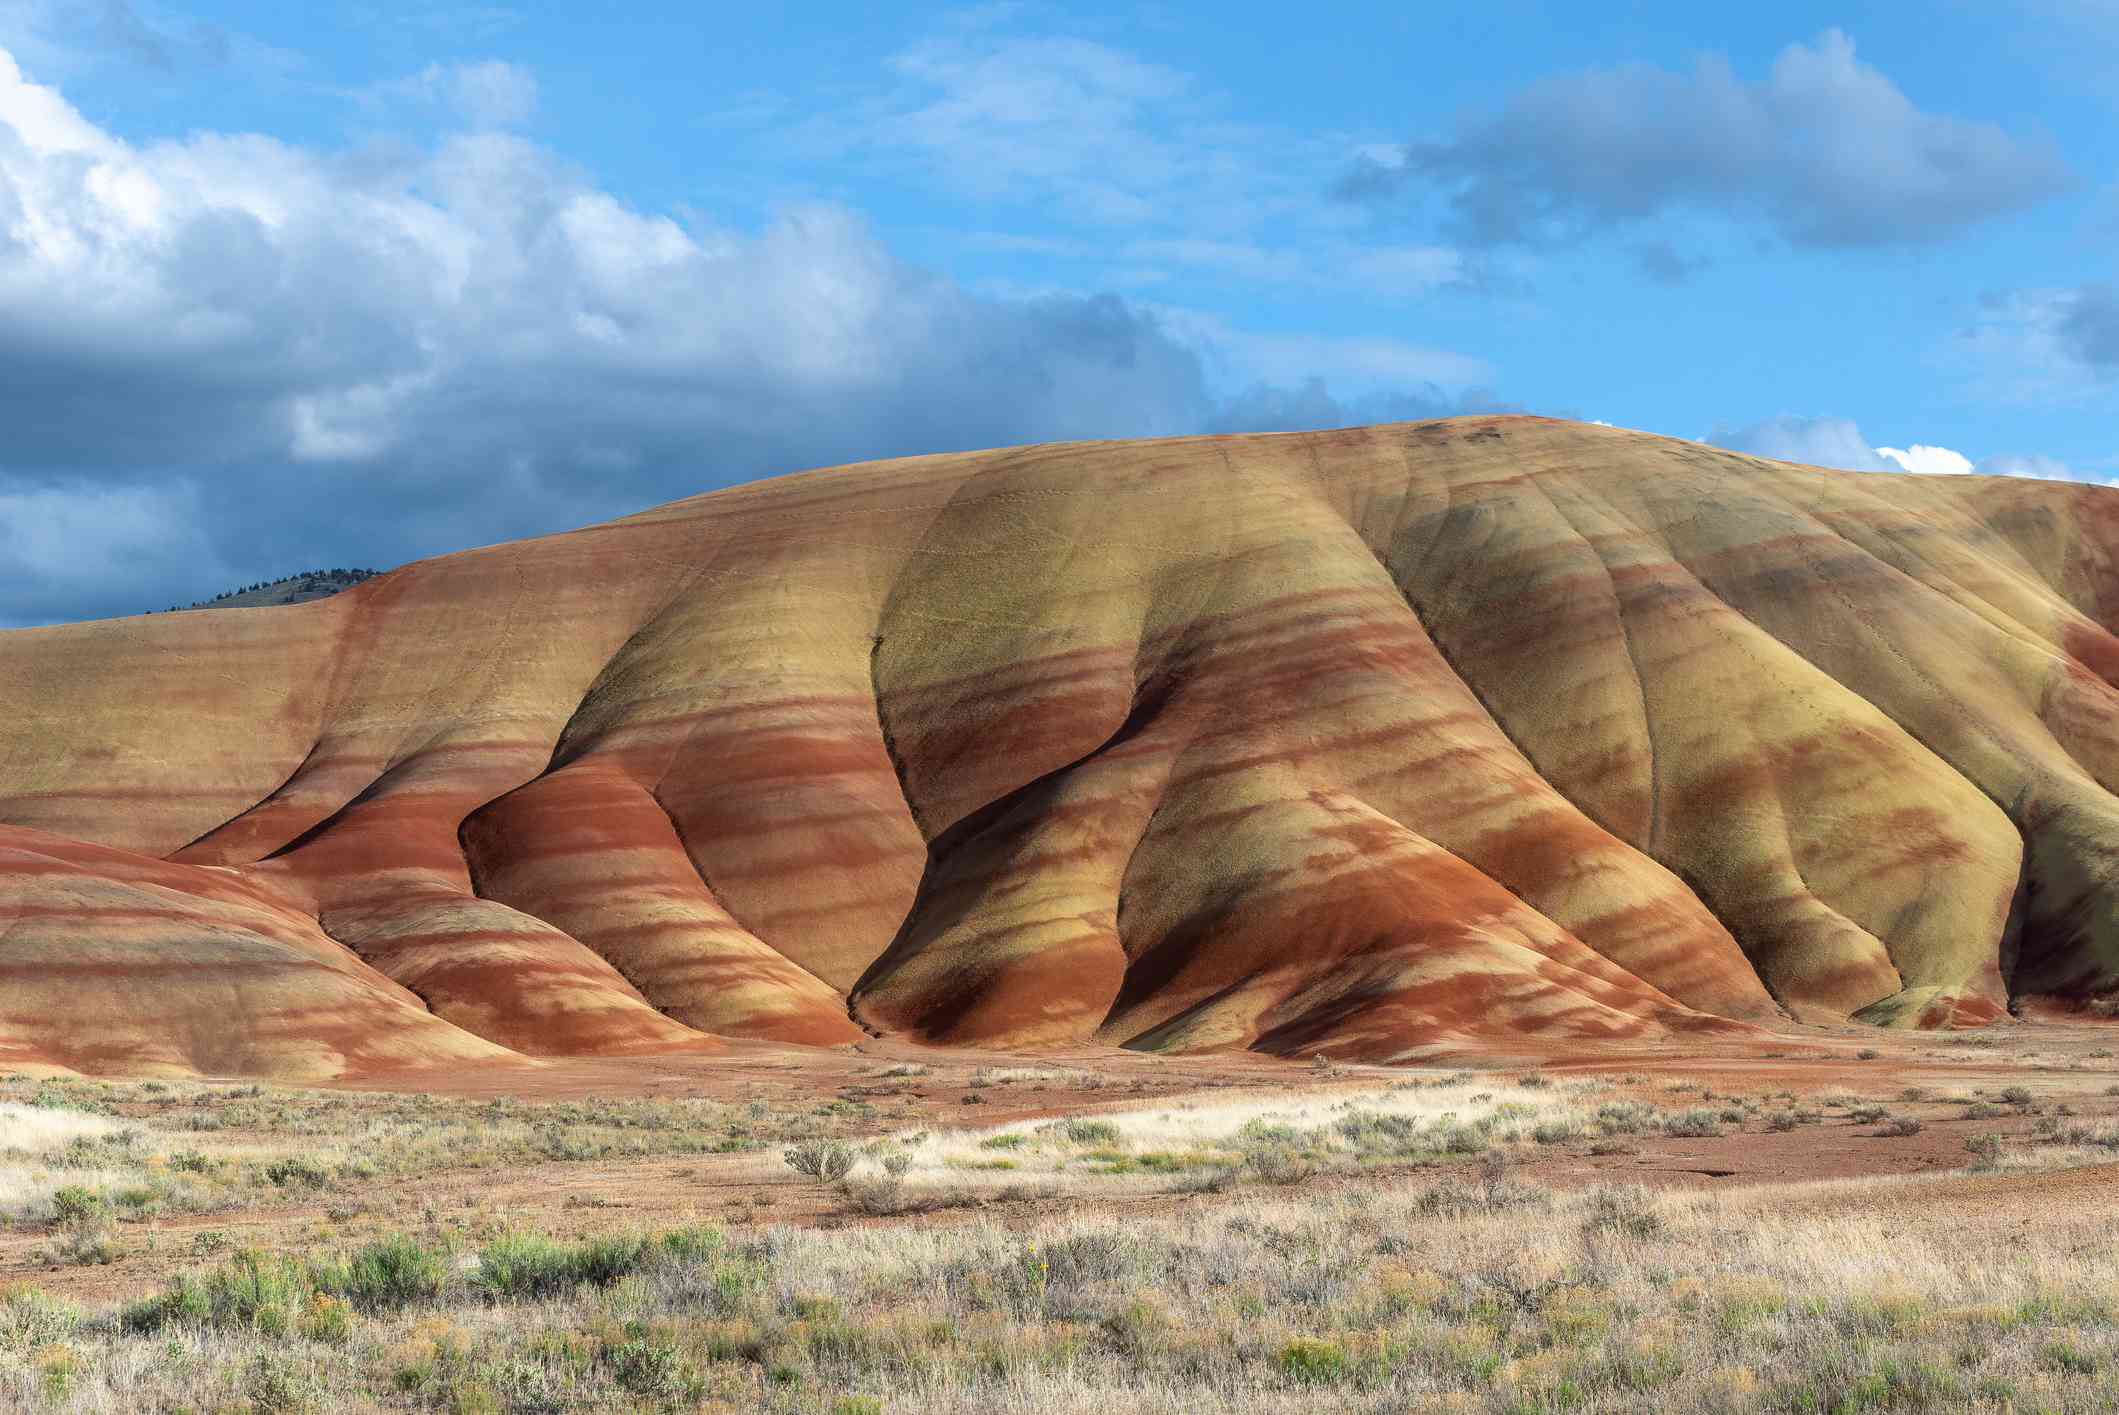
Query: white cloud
(342, 352)
(1838, 442)
(1815, 442)
(1932, 461)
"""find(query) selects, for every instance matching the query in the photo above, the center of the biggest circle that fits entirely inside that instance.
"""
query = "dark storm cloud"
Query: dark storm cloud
(1825, 150)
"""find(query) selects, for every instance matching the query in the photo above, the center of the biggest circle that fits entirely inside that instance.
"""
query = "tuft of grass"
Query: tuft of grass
(1091, 1132)
(1309, 1362)
(531, 1266)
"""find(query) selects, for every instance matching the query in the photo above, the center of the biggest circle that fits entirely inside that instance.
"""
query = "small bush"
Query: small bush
(1279, 1164)
(1206, 1179)
(1624, 1117)
(385, 1275)
(1627, 1211)
(29, 1320)
(827, 1161)
(75, 1204)
(1460, 1139)
(527, 1266)
(327, 1319)
(276, 1385)
(296, 1171)
(1698, 1123)
(891, 1197)
(1313, 1362)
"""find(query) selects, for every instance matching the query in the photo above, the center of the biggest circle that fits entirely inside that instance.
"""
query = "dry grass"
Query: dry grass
(1440, 1281)
(1444, 1292)
(153, 1148)
(1206, 1143)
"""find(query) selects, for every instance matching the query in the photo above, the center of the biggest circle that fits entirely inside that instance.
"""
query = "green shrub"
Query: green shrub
(534, 1266)
(526, 1265)
(29, 1320)
(255, 1289)
(1313, 1362)
(385, 1275)
(75, 1205)
(294, 1170)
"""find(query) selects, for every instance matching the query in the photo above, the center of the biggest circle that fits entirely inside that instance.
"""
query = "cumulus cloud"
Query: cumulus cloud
(1814, 442)
(282, 356)
(1825, 149)
(1929, 461)
(1838, 442)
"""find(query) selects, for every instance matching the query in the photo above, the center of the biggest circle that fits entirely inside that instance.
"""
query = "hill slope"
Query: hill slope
(1365, 742)
(288, 589)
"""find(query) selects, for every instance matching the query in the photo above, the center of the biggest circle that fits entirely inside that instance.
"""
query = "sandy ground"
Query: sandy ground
(2072, 1065)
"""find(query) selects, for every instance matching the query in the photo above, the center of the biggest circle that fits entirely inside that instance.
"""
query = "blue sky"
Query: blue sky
(353, 283)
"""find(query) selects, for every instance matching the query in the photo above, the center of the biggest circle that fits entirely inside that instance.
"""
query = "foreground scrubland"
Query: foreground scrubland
(1463, 1291)
(1370, 1244)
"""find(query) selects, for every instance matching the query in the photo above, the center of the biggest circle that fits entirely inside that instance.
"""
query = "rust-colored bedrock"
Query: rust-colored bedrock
(1376, 743)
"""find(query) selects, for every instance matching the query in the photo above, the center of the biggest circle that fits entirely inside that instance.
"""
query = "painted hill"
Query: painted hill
(1367, 742)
